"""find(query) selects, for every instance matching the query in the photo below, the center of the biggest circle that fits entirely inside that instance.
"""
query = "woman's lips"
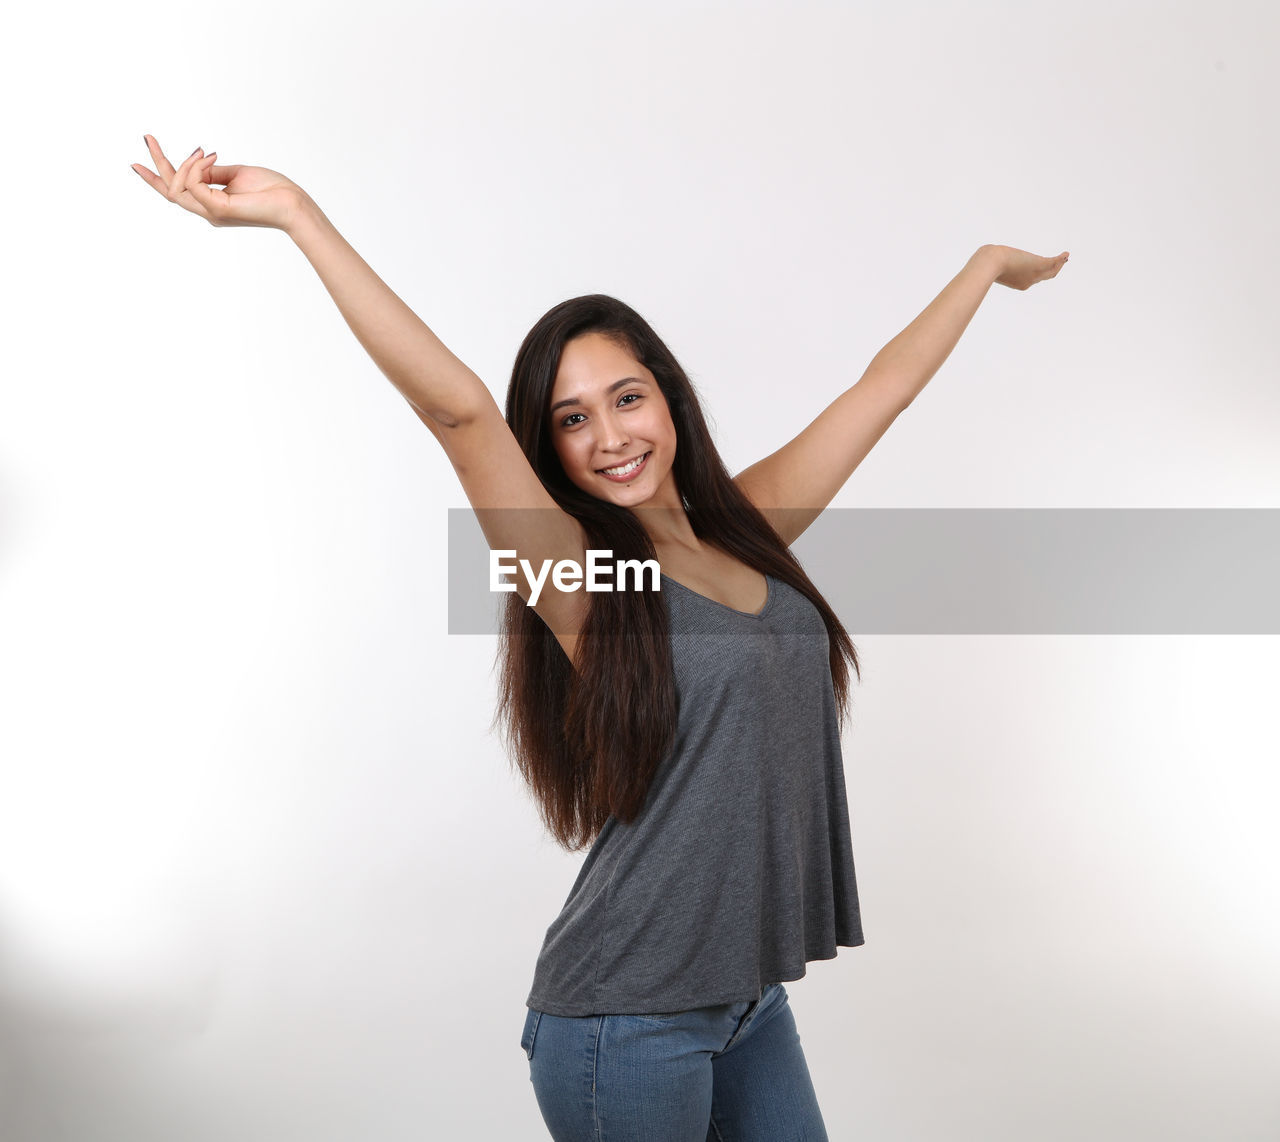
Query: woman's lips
(629, 475)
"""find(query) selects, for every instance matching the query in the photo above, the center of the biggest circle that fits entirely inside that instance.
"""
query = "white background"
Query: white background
(265, 872)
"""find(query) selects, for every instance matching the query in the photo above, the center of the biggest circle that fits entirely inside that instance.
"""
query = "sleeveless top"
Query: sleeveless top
(739, 868)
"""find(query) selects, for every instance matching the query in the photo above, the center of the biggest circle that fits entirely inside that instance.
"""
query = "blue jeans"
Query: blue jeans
(732, 1073)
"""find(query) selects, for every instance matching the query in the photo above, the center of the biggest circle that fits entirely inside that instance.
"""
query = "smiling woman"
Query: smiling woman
(595, 389)
(691, 738)
(613, 434)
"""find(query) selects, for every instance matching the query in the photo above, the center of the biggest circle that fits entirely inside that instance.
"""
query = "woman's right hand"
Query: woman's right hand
(253, 196)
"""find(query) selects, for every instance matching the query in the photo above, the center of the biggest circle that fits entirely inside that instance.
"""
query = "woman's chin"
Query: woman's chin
(626, 497)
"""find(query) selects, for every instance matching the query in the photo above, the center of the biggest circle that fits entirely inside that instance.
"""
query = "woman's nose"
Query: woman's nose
(613, 436)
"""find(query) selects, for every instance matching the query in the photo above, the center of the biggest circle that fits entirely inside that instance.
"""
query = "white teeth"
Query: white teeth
(625, 468)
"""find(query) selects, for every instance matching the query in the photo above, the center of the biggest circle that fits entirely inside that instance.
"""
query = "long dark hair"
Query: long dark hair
(589, 740)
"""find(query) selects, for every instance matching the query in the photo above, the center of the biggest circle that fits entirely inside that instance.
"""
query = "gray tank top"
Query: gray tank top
(739, 868)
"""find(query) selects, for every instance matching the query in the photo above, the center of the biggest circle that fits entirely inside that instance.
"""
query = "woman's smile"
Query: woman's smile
(628, 470)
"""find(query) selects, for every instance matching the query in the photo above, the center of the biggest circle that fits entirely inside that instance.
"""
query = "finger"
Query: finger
(219, 175)
(177, 180)
(194, 182)
(151, 179)
(212, 202)
(179, 189)
(163, 167)
(201, 167)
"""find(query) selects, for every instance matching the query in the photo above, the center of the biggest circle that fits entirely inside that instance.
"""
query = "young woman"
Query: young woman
(690, 736)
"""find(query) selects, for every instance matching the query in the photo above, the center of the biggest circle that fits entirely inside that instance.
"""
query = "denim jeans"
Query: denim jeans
(732, 1073)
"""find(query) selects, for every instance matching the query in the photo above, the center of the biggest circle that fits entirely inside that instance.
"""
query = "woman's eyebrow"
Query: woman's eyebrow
(616, 385)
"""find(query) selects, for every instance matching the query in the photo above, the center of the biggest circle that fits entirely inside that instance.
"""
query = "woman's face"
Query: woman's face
(607, 411)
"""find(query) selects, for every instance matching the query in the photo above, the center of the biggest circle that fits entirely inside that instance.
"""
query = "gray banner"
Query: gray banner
(996, 570)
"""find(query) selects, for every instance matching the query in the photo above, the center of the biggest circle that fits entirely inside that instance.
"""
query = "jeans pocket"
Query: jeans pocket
(530, 1031)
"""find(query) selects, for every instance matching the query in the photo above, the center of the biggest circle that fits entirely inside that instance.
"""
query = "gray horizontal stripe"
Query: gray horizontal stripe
(1001, 570)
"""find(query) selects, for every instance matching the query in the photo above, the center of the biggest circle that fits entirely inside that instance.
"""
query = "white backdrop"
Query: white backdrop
(264, 871)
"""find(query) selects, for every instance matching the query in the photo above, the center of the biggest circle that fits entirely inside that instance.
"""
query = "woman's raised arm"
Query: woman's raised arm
(410, 355)
(434, 381)
(515, 511)
(795, 484)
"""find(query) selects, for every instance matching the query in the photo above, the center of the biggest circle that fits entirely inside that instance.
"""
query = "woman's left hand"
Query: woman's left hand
(1021, 270)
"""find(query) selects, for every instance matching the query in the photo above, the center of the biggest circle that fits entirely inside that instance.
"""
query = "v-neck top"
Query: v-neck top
(739, 869)
(768, 598)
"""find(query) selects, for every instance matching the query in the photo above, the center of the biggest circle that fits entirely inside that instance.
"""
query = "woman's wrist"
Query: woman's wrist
(304, 217)
(993, 258)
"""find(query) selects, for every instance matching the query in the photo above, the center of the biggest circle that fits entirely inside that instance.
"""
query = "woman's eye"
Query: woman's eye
(567, 422)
